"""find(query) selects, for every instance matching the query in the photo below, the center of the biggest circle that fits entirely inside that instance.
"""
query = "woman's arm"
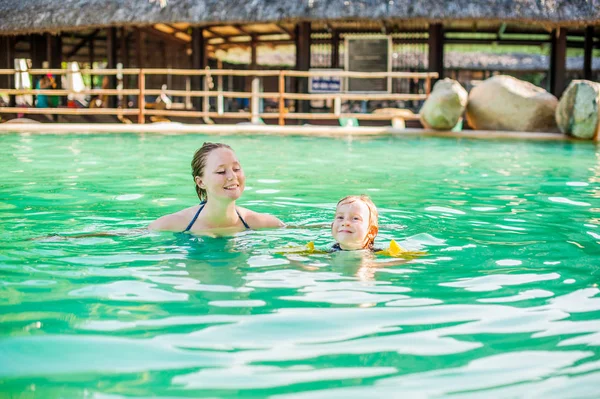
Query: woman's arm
(261, 220)
(173, 222)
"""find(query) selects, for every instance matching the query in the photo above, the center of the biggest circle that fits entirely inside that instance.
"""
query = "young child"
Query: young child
(356, 224)
(354, 228)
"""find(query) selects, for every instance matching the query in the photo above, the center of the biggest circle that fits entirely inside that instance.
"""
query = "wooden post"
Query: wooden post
(140, 43)
(337, 106)
(140, 57)
(436, 49)
(141, 97)
(188, 88)
(587, 52)
(123, 48)
(220, 101)
(198, 62)
(124, 58)
(7, 61)
(253, 53)
(55, 58)
(206, 98)
(91, 59)
(254, 100)
(281, 99)
(38, 50)
(111, 58)
(558, 61)
(335, 49)
(302, 62)
(427, 85)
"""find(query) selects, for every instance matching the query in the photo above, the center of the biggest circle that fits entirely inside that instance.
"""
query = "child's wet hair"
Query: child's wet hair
(199, 163)
(373, 214)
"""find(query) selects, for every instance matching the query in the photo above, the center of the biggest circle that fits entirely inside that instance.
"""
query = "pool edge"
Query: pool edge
(80, 128)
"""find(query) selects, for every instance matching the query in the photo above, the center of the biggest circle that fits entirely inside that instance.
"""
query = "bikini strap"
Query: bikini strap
(195, 217)
(242, 219)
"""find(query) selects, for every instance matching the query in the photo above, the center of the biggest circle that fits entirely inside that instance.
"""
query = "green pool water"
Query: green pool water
(504, 305)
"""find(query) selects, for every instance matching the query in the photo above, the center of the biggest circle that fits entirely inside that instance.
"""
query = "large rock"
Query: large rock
(506, 103)
(578, 108)
(21, 120)
(445, 106)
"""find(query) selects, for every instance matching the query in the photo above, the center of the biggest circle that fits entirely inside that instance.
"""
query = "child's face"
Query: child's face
(351, 225)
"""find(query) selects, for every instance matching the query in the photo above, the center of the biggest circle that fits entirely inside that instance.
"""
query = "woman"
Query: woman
(220, 181)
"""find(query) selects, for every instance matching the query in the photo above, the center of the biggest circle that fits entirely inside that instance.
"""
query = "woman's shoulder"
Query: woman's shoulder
(258, 220)
(177, 221)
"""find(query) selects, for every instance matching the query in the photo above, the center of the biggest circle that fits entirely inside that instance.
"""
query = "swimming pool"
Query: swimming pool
(505, 303)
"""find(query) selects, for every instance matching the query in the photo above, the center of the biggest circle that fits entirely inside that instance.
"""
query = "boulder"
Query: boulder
(445, 106)
(577, 113)
(21, 120)
(506, 103)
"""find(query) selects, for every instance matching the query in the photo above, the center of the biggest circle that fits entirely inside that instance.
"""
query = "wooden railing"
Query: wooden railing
(254, 95)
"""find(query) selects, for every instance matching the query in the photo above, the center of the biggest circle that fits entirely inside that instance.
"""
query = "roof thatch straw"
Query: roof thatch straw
(28, 16)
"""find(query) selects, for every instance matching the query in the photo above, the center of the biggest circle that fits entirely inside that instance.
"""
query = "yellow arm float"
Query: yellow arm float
(307, 249)
(396, 251)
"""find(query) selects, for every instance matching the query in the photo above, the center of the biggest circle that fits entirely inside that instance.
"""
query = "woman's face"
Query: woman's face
(223, 176)
(351, 225)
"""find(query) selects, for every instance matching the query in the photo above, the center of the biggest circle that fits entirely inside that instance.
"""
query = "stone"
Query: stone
(21, 120)
(506, 103)
(445, 106)
(578, 110)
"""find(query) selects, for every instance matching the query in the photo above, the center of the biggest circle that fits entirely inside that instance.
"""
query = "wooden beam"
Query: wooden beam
(55, 59)
(111, 58)
(140, 43)
(436, 49)
(38, 50)
(386, 27)
(82, 43)
(558, 61)
(302, 62)
(253, 53)
(7, 61)
(55, 55)
(164, 36)
(286, 30)
(124, 57)
(335, 49)
(123, 47)
(587, 52)
(177, 29)
(215, 34)
(244, 31)
(92, 59)
(198, 62)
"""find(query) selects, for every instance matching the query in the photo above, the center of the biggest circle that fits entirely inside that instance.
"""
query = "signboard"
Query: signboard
(325, 84)
(368, 54)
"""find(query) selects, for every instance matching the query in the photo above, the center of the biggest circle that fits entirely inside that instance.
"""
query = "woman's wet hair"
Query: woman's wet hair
(199, 163)
(373, 214)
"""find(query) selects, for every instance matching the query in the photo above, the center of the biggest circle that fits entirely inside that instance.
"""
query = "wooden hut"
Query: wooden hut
(192, 34)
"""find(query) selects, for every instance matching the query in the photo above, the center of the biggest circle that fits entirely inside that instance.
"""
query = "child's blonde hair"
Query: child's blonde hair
(373, 215)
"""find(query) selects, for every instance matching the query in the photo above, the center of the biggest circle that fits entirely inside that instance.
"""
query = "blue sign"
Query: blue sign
(325, 84)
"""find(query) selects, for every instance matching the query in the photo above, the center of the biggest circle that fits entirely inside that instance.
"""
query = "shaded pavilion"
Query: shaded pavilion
(190, 34)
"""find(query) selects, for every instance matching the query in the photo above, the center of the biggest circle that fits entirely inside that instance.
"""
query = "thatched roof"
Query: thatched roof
(28, 16)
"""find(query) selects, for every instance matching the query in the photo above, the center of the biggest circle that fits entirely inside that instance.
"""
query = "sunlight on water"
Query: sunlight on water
(504, 303)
